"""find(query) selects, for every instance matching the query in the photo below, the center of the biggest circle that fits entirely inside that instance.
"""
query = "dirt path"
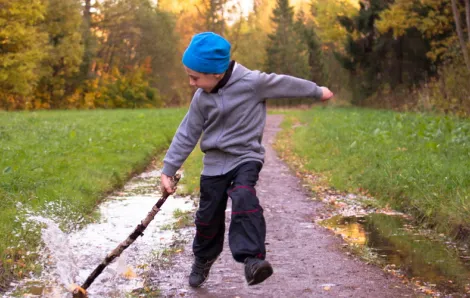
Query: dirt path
(307, 259)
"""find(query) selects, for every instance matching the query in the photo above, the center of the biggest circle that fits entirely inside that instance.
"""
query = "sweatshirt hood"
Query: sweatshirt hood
(238, 73)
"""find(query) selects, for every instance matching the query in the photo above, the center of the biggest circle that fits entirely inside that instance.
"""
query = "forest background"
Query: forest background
(85, 54)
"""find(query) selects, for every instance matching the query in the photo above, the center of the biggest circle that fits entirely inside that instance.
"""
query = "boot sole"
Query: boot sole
(261, 274)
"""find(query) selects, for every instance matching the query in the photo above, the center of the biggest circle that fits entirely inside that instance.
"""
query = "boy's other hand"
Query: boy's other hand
(327, 94)
(167, 184)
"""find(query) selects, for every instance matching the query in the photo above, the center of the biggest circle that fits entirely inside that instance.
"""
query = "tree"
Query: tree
(432, 18)
(213, 12)
(133, 36)
(440, 22)
(251, 42)
(285, 52)
(21, 50)
(381, 60)
(63, 23)
(188, 19)
(325, 15)
(309, 38)
(458, 28)
(89, 43)
(263, 10)
(157, 45)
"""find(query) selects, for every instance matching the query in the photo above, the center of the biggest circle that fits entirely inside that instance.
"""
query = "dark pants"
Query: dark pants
(247, 230)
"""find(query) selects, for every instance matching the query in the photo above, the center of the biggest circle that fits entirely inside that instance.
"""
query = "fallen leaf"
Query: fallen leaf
(129, 273)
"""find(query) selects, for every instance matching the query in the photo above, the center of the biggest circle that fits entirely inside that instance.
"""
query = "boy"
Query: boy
(229, 111)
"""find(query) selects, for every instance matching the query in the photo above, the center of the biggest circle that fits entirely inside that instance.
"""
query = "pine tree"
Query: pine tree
(287, 48)
(280, 50)
(362, 58)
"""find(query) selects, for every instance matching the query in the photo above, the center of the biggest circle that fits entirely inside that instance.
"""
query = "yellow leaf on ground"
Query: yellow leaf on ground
(129, 273)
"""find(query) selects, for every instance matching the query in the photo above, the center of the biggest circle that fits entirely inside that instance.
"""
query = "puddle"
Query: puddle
(70, 258)
(429, 261)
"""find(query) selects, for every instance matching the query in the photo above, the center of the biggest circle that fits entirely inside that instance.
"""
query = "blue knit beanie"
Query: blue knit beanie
(207, 53)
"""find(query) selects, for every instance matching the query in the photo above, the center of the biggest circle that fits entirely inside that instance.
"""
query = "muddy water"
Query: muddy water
(428, 260)
(70, 258)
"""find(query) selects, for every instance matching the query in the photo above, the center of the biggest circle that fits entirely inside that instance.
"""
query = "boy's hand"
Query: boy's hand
(167, 184)
(327, 94)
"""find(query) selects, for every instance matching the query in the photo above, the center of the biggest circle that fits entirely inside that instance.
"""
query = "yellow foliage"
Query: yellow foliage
(403, 15)
(117, 90)
(326, 13)
(398, 18)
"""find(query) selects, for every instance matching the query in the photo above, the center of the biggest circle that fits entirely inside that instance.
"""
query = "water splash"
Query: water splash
(61, 261)
(70, 257)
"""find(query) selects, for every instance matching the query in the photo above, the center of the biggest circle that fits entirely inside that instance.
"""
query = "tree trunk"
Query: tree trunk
(467, 17)
(87, 55)
(458, 27)
(87, 13)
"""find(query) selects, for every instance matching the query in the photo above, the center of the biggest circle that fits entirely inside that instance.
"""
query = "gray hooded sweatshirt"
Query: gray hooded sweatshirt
(231, 121)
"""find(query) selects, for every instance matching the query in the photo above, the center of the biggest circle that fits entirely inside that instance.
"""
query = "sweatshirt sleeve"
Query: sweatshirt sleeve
(185, 139)
(278, 86)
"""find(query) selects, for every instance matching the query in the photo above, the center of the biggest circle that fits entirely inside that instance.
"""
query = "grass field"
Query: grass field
(416, 163)
(62, 163)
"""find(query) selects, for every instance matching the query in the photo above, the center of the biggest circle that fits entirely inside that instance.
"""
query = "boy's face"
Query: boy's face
(205, 81)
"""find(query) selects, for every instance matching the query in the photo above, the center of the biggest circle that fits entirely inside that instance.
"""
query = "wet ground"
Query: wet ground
(431, 262)
(309, 244)
(307, 258)
(69, 258)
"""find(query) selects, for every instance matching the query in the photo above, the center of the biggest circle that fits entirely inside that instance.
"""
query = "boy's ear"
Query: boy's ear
(219, 76)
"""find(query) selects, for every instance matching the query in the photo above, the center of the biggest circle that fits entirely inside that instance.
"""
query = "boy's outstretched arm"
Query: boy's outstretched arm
(182, 145)
(280, 86)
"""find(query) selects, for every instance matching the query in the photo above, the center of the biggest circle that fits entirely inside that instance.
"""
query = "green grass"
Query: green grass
(416, 163)
(183, 219)
(62, 163)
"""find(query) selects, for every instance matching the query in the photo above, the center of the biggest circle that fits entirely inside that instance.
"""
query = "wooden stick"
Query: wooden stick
(138, 231)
